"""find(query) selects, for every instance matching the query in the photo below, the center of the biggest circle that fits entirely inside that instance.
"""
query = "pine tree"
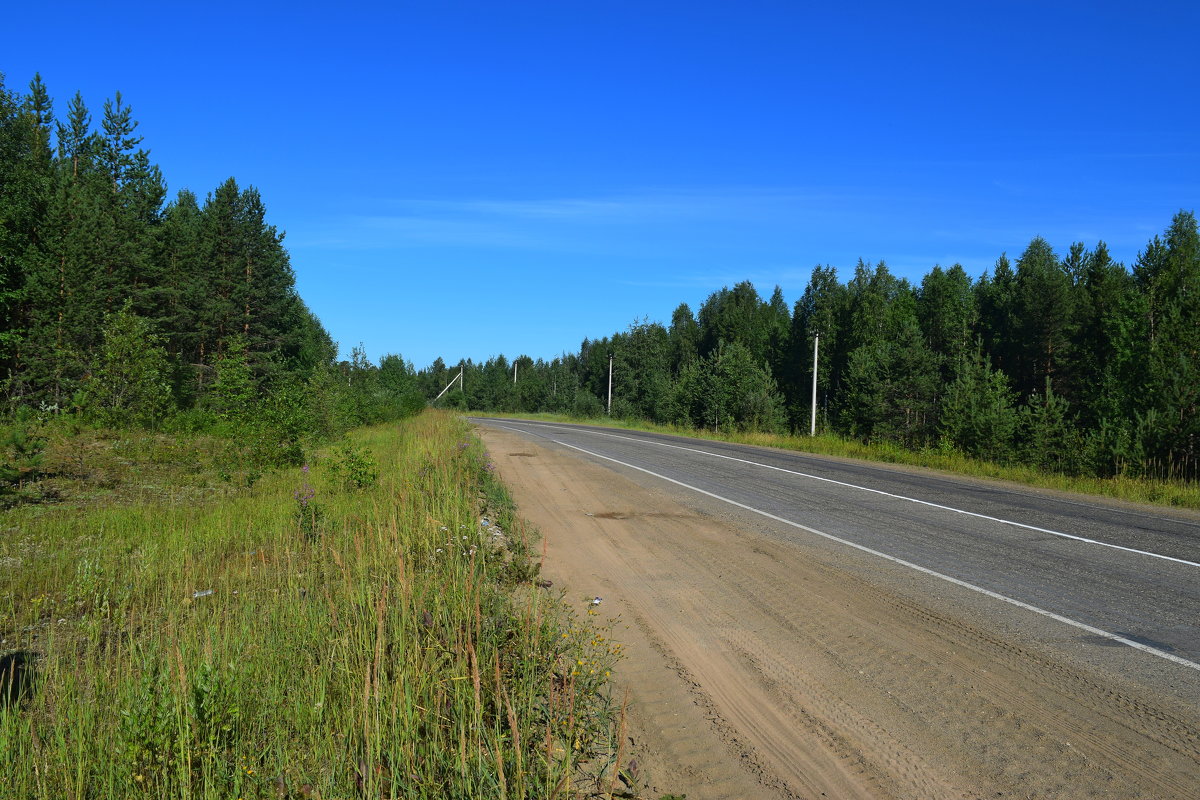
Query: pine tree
(76, 142)
(1044, 306)
(25, 185)
(12, 279)
(67, 293)
(685, 338)
(977, 415)
(946, 309)
(176, 296)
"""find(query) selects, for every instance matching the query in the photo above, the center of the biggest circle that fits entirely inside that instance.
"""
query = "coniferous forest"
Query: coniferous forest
(1068, 362)
(123, 308)
(126, 308)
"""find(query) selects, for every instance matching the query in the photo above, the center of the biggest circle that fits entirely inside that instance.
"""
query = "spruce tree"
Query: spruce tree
(996, 298)
(1111, 341)
(977, 415)
(1044, 307)
(1169, 273)
(946, 309)
(891, 383)
(685, 338)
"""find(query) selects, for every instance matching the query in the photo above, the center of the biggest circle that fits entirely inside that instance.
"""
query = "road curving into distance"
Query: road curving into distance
(1100, 596)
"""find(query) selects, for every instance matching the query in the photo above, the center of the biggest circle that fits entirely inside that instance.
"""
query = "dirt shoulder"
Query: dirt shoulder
(765, 666)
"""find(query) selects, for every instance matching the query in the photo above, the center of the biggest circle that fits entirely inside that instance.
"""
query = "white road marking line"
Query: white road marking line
(1060, 534)
(1154, 651)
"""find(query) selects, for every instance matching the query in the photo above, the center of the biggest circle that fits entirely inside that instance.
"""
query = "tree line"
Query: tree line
(121, 307)
(128, 309)
(1071, 363)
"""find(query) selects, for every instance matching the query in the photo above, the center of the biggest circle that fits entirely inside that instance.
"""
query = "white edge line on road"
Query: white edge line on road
(1060, 534)
(1154, 651)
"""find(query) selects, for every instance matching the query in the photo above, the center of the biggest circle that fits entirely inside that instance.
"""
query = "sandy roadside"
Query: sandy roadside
(762, 667)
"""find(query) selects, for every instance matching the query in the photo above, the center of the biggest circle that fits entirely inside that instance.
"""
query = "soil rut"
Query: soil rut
(759, 667)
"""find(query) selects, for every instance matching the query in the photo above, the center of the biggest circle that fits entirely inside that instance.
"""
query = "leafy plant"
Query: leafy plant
(355, 466)
(130, 384)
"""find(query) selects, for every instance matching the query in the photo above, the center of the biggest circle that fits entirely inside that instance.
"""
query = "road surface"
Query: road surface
(803, 625)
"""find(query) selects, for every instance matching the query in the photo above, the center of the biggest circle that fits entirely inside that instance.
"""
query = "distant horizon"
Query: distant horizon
(469, 180)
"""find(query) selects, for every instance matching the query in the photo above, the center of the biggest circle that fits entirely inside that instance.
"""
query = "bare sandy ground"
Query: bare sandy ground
(760, 666)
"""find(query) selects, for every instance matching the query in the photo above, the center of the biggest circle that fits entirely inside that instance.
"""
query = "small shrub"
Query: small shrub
(355, 466)
(587, 405)
(22, 451)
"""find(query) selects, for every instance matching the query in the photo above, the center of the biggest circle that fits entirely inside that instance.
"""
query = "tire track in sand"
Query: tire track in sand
(761, 667)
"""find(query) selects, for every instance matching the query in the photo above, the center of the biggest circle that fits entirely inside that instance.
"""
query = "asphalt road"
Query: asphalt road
(1114, 575)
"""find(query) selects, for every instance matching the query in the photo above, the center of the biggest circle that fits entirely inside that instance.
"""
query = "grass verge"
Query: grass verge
(365, 627)
(1135, 490)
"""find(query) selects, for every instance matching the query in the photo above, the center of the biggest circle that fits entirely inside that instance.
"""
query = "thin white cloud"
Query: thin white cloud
(677, 205)
(563, 224)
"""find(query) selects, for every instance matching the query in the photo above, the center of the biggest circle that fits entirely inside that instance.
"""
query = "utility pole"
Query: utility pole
(457, 378)
(610, 356)
(514, 372)
(816, 346)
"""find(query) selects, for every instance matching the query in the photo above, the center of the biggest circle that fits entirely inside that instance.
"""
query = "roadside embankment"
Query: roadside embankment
(367, 626)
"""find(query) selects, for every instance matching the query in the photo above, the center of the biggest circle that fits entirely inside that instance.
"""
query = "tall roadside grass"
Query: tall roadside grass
(366, 627)
(1135, 490)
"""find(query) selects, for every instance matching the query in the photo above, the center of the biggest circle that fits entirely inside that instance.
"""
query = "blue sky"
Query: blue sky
(467, 179)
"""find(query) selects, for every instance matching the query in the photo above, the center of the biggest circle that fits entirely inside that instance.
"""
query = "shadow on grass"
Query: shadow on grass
(18, 677)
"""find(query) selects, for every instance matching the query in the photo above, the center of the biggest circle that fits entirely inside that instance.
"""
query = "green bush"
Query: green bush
(355, 466)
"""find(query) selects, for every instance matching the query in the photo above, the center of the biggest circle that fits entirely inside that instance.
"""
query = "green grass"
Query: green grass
(1136, 490)
(377, 642)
